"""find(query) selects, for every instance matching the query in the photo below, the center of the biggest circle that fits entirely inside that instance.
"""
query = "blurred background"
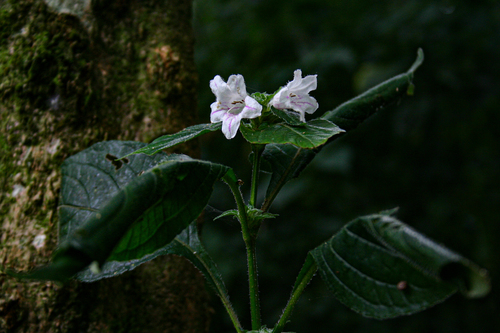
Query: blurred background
(435, 155)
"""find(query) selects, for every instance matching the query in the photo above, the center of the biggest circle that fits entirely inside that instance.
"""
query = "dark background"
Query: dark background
(436, 155)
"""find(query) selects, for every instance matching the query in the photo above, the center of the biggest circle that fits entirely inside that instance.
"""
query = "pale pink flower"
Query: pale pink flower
(232, 104)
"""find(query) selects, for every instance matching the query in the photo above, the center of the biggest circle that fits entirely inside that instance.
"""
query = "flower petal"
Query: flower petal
(302, 86)
(216, 84)
(277, 99)
(230, 125)
(305, 104)
(236, 83)
(252, 108)
(217, 113)
(309, 83)
(222, 91)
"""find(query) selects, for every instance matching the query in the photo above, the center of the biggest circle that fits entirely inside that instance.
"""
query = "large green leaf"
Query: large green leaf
(353, 112)
(307, 135)
(186, 244)
(91, 177)
(171, 140)
(139, 218)
(381, 268)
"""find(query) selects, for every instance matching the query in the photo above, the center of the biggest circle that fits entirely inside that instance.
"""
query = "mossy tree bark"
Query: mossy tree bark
(72, 73)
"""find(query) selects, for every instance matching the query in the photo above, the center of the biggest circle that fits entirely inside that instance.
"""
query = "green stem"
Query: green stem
(306, 274)
(230, 310)
(257, 153)
(233, 316)
(253, 281)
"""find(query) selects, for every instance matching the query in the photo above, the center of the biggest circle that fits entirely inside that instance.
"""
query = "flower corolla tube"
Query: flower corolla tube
(232, 104)
(295, 95)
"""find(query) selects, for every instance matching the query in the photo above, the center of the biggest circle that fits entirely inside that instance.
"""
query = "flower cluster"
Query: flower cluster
(233, 103)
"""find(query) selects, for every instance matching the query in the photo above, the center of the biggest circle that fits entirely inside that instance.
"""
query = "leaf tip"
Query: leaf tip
(390, 212)
(125, 156)
(418, 61)
(480, 284)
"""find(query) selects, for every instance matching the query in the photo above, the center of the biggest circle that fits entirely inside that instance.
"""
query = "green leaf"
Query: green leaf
(255, 214)
(308, 135)
(231, 212)
(290, 117)
(353, 112)
(381, 268)
(171, 140)
(139, 218)
(91, 178)
(286, 163)
(262, 98)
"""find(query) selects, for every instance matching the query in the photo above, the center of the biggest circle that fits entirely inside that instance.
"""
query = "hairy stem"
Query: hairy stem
(253, 281)
(253, 285)
(306, 274)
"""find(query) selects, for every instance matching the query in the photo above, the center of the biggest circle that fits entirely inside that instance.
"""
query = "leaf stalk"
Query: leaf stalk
(305, 276)
(257, 153)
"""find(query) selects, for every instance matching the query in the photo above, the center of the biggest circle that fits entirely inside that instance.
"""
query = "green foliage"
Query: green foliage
(290, 117)
(171, 140)
(119, 213)
(382, 268)
(353, 112)
(435, 155)
(124, 215)
(287, 162)
(375, 265)
(307, 135)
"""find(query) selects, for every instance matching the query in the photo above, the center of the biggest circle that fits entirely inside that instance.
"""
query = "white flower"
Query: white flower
(295, 96)
(232, 104)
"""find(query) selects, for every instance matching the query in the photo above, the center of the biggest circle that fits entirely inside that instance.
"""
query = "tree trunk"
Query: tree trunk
(72, 73)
